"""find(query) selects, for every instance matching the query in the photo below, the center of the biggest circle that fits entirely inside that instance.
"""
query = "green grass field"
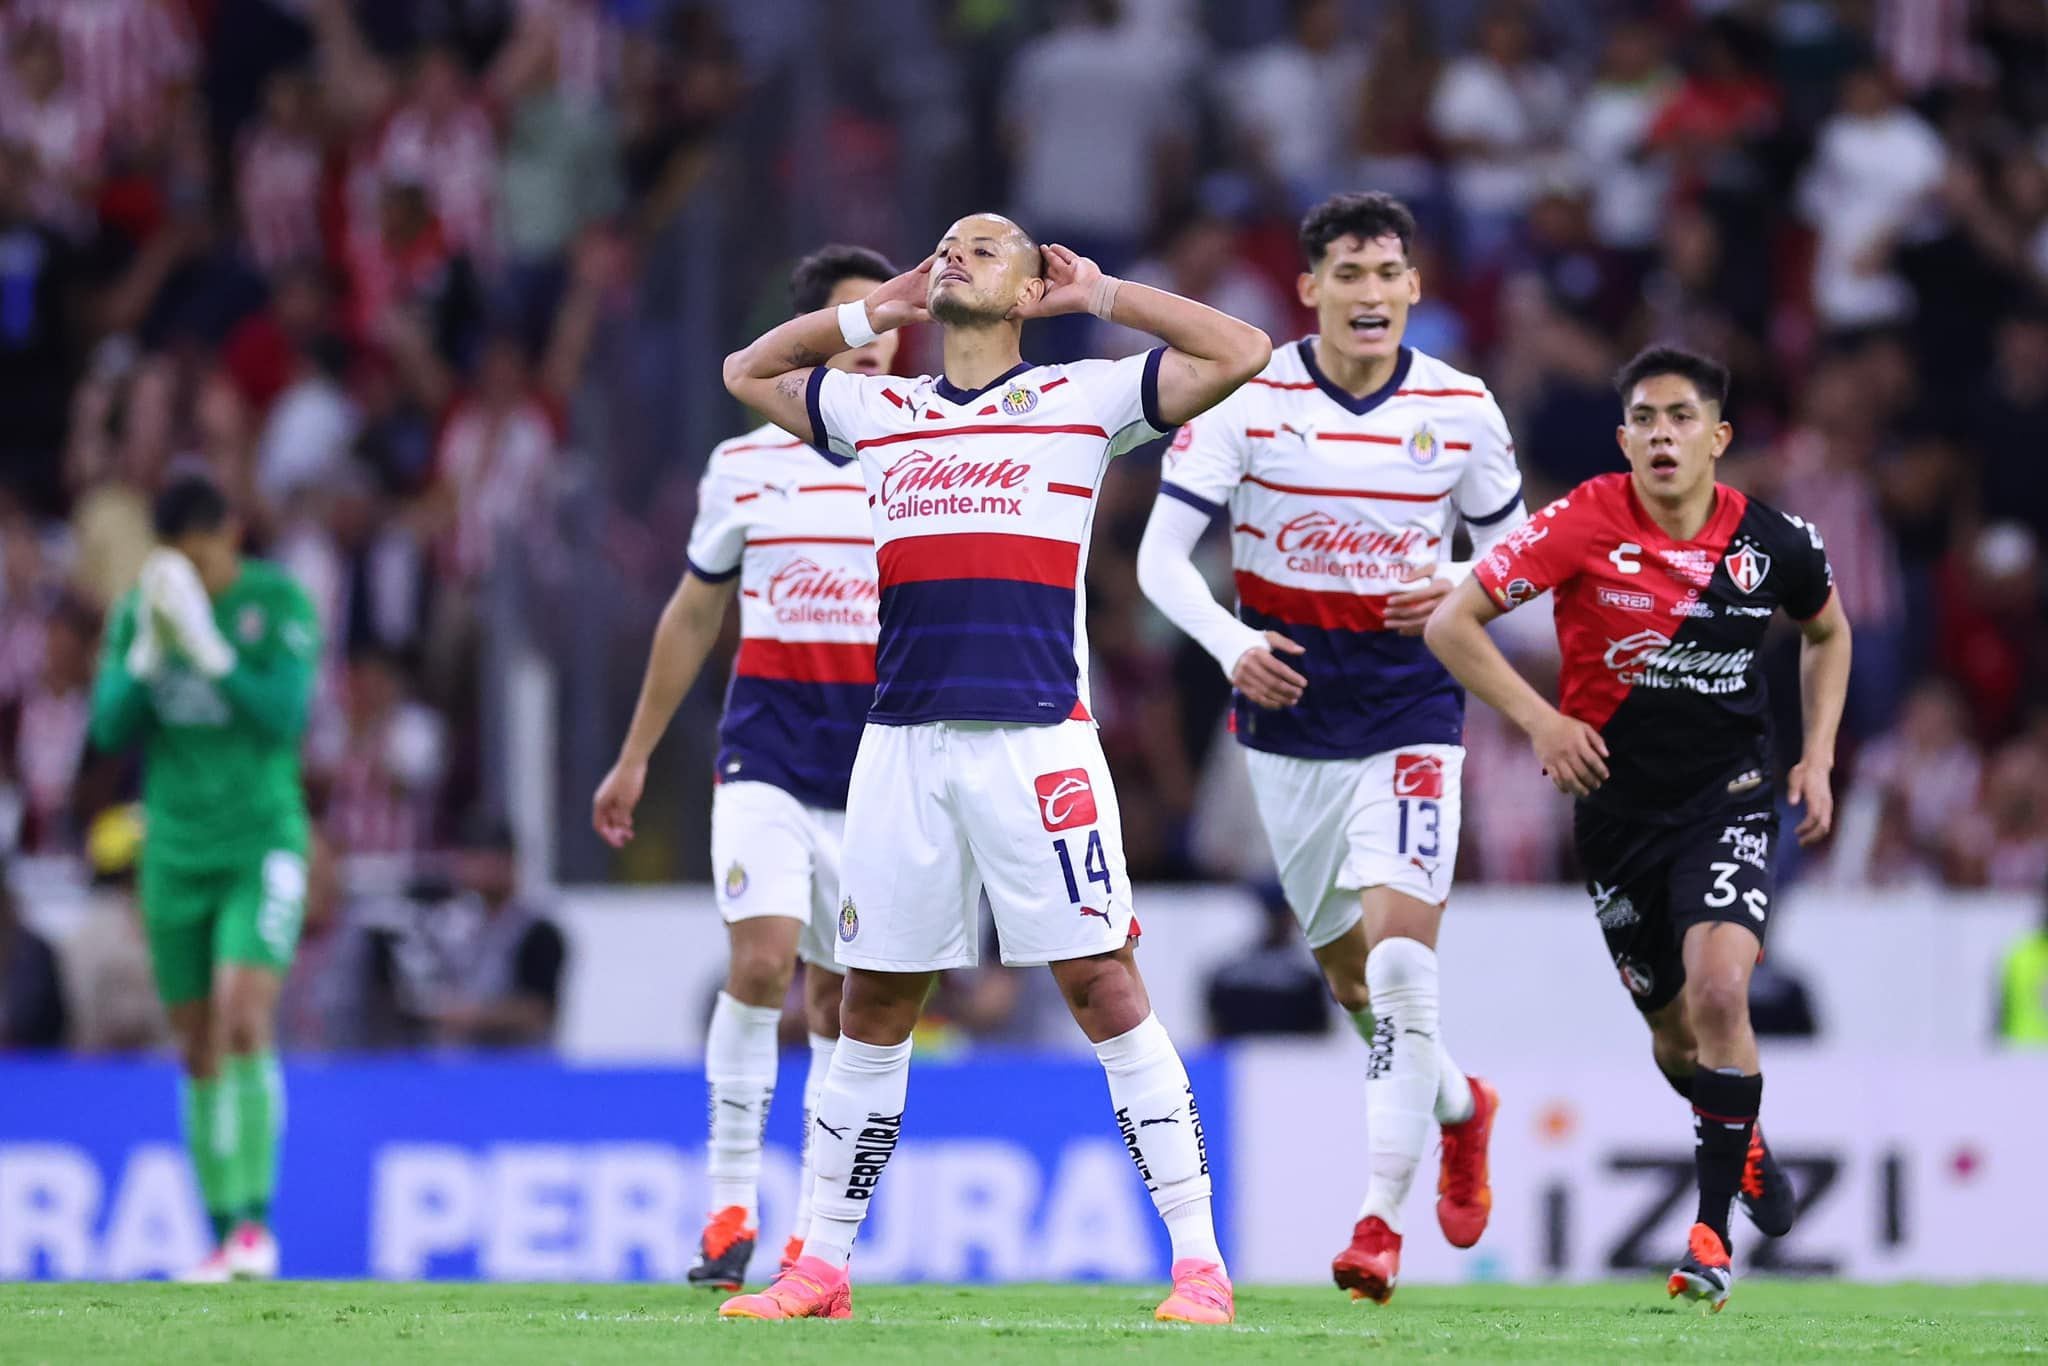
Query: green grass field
(571, 1325)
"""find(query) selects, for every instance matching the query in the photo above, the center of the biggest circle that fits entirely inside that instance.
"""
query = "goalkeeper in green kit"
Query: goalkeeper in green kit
(208, 665)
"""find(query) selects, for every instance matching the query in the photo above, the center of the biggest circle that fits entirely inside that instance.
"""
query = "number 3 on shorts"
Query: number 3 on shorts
(284, 901)
(1723, 894)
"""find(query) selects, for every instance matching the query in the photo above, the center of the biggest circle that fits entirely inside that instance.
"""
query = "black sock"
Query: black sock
(1681, 1083)
(1724, 1107)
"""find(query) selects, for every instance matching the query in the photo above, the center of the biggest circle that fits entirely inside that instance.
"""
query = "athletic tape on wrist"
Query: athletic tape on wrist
(1103, 298)
(854, 328)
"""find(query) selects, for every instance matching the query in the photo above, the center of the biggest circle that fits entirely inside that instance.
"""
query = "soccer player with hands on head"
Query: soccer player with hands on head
(1665, 582)
(784, 526)
(208, 666)
(980, 770)
(1342, 471)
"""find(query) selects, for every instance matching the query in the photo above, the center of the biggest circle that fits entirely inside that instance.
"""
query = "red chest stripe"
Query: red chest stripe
(806, 661)
(1307, 607)
(980, 555)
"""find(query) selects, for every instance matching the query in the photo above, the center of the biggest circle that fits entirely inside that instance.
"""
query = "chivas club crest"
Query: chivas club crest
(1747, 567)
(1019, 400)
(736, 880)
(1423, 446)
(849, 920)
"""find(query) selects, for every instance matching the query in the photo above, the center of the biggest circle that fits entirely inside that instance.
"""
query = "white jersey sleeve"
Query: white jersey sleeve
(718, 538)
(1124, 395)
(1491, 487)
(844, 407)
(1209, 457)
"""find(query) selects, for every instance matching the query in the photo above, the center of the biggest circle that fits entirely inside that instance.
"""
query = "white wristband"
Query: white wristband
(854, 328)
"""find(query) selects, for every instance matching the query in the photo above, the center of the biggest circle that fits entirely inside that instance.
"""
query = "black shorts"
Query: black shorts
(1652, 883)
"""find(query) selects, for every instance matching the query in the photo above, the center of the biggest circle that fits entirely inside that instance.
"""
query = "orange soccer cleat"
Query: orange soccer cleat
(812, 1289)
(1464, 1198)
(1372, 1264)
(1201, 1294)
(724, 1250)
(792, 1253)
(1705, 1273)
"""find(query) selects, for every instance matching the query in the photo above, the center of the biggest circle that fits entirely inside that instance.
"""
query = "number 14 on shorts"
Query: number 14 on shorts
(1066, 801)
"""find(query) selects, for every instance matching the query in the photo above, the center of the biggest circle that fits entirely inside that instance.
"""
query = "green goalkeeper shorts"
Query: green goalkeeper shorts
(196, 921)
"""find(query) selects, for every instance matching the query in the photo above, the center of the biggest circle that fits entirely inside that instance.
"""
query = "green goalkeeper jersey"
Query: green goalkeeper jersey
(220, 783)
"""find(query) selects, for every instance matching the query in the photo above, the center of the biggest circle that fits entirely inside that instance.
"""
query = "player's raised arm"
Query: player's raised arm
(772, 374)
(1209, 353)
(1572, 752)
(688, 629)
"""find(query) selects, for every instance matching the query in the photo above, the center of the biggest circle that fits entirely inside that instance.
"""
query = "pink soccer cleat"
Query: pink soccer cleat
(812, 1289)
(1201, 1294)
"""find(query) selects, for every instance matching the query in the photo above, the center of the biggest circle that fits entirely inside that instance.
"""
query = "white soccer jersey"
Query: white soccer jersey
(1333, 501)
(982, 504)
(792, 522)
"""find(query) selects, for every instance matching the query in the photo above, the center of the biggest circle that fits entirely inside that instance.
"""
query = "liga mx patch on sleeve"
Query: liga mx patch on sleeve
(1418, 775)
(1066, 799)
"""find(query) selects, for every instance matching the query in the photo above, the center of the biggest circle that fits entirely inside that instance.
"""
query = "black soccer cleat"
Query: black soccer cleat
(1705, 1274)
(724, 1251)
(1766, 1191)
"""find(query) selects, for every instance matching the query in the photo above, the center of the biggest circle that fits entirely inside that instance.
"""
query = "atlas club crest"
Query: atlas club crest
(1747, 567)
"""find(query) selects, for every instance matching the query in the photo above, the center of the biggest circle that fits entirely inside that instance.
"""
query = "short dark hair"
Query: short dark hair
(1368, 216)
(818, 274)
(189, 503)
(1708, 376)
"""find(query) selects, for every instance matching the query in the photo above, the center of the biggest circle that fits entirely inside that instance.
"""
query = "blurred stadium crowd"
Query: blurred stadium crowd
(437, 288)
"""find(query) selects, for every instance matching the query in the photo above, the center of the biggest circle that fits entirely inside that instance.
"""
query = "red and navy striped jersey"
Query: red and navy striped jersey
(1661, 638)
(1333, 501)
(982, 502)
(792, 523)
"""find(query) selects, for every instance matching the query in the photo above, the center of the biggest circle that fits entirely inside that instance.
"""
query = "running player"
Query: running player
(980, 768)
(786, 524)
(208, 665)
(1344, 469)
(1665, 584)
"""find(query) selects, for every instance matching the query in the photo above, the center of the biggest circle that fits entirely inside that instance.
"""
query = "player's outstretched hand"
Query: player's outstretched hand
(1070, 282)
(901, 302)
(1408, 610)
(1261, 676)
(611, 811)
(1812, 787)
(1574, 756)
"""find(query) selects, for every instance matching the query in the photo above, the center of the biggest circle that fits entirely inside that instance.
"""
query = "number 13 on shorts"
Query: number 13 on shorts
(1066, 803)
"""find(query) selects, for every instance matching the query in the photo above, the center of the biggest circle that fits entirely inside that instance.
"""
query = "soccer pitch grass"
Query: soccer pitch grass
(531, 1325)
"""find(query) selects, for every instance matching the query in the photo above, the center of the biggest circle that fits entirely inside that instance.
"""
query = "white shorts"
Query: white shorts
(1340, 825)
(939, 813)
(772, 855)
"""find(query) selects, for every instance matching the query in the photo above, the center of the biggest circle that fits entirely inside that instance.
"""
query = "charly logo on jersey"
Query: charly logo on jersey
(1019, 400)
(1650, 659)
(1423, 446)
(1747, 567)
(923, 484)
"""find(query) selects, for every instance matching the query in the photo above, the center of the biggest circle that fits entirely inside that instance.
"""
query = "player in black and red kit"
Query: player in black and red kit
(1665, 583)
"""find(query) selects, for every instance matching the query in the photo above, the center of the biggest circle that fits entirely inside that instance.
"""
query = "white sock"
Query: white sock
(739, 1063)
(1401, 1078)
(1453, 1089)
(858, 1119)
(814, 1086)
(1155, 1111)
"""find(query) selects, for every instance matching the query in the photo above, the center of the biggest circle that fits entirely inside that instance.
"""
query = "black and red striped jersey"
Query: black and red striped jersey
(1661, 638)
